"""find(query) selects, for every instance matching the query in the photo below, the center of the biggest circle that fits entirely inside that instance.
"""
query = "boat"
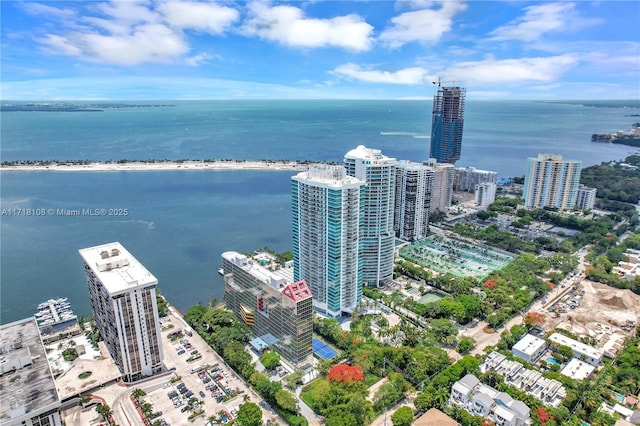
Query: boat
(221, 271)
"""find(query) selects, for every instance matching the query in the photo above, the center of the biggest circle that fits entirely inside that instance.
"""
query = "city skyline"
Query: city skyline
(319, 50)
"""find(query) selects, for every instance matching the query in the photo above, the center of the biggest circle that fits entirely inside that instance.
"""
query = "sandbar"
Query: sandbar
(158, 165)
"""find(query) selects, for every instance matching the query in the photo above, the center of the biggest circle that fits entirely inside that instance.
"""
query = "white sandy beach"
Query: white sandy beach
(144, 166)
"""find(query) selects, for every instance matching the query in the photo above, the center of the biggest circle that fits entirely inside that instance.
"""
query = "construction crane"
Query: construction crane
(439, 82)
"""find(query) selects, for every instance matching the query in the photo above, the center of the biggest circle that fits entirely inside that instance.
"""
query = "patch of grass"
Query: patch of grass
(370, 379)
(85, 375)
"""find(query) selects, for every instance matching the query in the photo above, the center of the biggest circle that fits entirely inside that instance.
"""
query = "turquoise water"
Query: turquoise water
(179, 222)
(552, 360)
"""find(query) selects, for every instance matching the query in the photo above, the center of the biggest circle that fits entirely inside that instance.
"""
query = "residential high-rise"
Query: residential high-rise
(485, 193)
(123, 299)
(552, 182)
(278, 311)
(414, 186)
(442, 185)
(586, 198)
(447, 120)
(377, 236)
(326, 214)
(468, 177)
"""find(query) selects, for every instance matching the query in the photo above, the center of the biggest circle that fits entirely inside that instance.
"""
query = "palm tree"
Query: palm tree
(105, 411)
(138, 393)
(84, 399)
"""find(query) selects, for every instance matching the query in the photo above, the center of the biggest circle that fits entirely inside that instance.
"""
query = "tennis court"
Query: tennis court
(322, 350)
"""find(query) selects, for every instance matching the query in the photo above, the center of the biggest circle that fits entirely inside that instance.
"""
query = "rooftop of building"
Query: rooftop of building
(116, 268)
(577, 369)
(529, 344)
(434, 417)
(276, 279)
(328, 175)
(576, 346)
(413, 165)
(364, 153)
(26, 382)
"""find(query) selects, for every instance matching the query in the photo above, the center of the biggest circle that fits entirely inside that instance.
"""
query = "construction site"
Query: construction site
(606, 314)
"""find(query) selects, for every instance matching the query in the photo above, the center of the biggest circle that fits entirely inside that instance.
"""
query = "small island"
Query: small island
(623, 137)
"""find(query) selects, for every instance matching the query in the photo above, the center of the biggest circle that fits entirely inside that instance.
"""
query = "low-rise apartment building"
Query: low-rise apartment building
(481, 400)
(529, 348)
(585, 353)
(549, 391)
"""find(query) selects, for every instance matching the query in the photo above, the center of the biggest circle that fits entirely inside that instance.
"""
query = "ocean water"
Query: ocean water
(179, 222)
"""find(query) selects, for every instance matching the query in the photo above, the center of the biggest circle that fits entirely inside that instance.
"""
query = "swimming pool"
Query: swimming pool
(552, 360)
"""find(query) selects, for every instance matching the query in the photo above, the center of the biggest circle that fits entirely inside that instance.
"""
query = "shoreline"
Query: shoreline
(99, 166)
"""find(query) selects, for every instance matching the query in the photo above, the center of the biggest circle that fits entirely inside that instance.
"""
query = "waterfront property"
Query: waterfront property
(378, 172)
(55, 315)
(326, 218)
(123, 299)
(278, 310)
(455, 257)
(447, 122)
(29, 394)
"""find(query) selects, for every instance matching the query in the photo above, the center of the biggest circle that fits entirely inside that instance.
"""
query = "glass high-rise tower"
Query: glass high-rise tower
(326, 218)
(447, 120)
(377, 234)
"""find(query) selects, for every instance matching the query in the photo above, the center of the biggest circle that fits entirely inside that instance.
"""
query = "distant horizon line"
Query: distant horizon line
(316, 99)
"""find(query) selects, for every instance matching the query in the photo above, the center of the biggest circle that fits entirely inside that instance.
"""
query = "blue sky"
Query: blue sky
(111, 50)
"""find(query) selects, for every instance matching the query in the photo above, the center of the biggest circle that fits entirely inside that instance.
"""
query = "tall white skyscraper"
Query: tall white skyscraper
(378, 172)
(414, 186)
(123, 298)
(552, 182)
(326, 216)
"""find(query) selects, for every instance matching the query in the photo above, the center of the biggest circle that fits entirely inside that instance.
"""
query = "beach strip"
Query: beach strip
(156, 166)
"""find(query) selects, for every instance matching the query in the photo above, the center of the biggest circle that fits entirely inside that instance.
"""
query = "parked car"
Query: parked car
(181, 351)
(202, 395)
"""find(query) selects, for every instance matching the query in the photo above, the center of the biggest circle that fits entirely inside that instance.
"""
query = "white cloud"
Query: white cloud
(129, 11)
(134, 32)
(426, 25)
(539, 20)
(208, 17)
(414, 75)
(146, 43)
(289, 26)
(42, 9)
(511, 71)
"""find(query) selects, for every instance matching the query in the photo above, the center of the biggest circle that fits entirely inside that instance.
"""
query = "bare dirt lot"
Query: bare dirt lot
(605, 313)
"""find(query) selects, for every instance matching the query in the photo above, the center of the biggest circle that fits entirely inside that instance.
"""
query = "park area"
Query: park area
(455, 257)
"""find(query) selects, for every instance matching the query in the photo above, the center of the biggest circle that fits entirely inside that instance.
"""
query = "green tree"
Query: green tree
(465, 345)
(270, 360)
(402, 417)
(105, 411)
(293, 379)
(286, 400)
(161, 304)
(249, 414)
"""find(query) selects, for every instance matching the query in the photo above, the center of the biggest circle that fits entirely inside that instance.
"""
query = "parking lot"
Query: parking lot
(201, 380)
